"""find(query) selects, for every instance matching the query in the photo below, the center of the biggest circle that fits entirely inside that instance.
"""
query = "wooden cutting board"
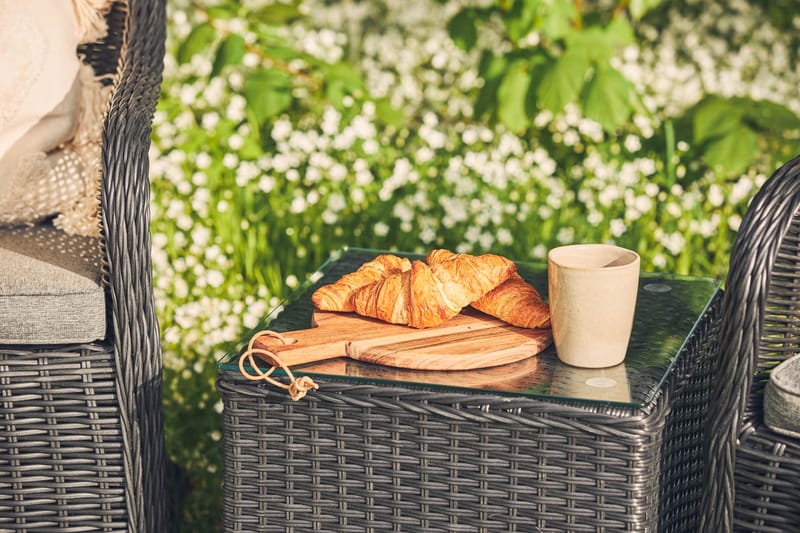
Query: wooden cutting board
(467, 341)
(518, 376)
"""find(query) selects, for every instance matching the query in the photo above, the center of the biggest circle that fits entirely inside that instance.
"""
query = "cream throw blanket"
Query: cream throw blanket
(51, 112)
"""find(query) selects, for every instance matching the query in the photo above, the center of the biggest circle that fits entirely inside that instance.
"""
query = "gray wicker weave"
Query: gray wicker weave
(81, 436)
(753, 473)
(365, 456)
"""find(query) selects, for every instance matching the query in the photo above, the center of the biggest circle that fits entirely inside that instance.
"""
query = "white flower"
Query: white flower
(565, 235)
(330, 121)
(403, 212)
(336, 202)
(633, 143)
(370, 146)
(281, 130)
(214, 278)
(363, 177)
(504, 237)
(338, 172)
(427, 235)
(266, 183)
(357, 195)
(617, 227)
(381, 229)
(542, 119)
(741, 190)
(424, 155)
(469, 136)
(715, 196)
(203, 160)
(209, 120)
(230, 160)
(571, 138)
(235, 141)
(329, 217)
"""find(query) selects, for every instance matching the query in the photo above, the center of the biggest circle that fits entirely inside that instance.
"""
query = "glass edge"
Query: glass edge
(650, 398)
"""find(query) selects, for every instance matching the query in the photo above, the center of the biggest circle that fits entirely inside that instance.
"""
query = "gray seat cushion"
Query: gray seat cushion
(51, 288)
(782, 398)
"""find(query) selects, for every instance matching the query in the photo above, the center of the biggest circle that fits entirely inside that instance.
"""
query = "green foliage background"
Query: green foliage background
(289, 129)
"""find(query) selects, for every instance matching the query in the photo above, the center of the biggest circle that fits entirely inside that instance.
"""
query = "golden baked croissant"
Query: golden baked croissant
(514, 301)
(426, 296)
(338, 296)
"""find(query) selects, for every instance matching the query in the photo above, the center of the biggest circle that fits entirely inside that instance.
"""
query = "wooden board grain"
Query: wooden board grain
(518, 376)
(469, 340)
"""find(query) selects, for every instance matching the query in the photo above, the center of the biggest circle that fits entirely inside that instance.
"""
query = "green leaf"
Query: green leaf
(341, 79)
(335, 92)
(537, 66)
(283, 53)
(715, 116)
(591, 43)
(277, 14)
(511, 97)
(345, 73)
(491, 68)
(607, 98)
(521, 19)
(770, 115)
(639, 8)
(268, 93)
(600, 43)
(230, 52)
(198, 40)
(463, 30)
(619, 32)
(222, 12)
(732, 153)
(562, 82)
(557, 21)
(389, 114)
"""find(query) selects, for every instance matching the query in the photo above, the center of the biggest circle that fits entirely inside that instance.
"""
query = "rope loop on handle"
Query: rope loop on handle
(297, 387)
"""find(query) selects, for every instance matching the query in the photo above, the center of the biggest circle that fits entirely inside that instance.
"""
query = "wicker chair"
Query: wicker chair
(81, 431)
(753, 473)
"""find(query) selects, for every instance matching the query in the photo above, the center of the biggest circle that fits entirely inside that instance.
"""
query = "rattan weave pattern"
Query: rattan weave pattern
(61, 463)
(753, 474)
(375, 457)
(81, 437)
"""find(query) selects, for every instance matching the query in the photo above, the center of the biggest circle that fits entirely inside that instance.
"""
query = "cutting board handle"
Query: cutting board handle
(297, 387)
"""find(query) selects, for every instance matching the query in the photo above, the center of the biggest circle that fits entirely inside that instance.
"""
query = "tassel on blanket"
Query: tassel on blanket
(82, 216)
(90, 16)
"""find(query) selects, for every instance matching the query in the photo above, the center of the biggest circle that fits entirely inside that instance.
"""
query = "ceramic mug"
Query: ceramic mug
(592, 292)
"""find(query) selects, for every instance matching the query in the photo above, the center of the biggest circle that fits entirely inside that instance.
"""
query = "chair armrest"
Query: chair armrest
(762, 295)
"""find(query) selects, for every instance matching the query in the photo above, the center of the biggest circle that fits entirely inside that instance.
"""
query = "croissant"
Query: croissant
(514, 301)
(338, 296)
(426, 296)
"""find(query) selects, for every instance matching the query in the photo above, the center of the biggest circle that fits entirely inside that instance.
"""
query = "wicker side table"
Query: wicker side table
(374, 453)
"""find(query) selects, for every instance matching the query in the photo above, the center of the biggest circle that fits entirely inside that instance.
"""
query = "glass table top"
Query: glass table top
(668, 309)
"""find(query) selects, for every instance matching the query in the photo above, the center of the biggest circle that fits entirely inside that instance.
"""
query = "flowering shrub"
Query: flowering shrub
(289, 129)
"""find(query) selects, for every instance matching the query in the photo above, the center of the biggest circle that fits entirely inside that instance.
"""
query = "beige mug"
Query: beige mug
(592, 292)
